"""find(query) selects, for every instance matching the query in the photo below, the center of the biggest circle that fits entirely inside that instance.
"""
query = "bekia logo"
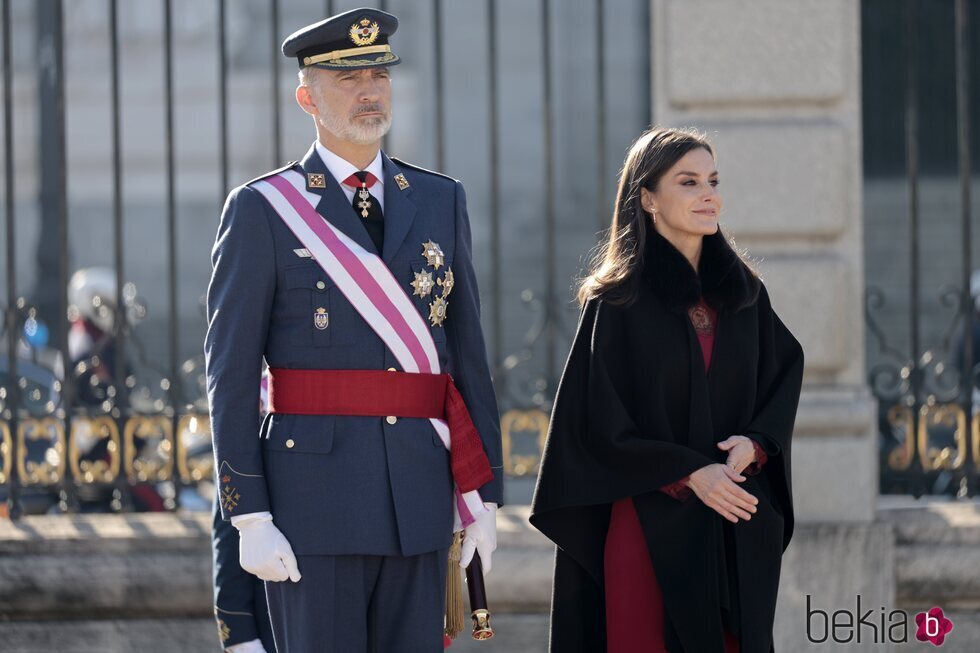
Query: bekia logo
(933, 626)
(874, 626)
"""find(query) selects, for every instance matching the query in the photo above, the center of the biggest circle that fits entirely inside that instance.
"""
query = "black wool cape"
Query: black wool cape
(635, 411)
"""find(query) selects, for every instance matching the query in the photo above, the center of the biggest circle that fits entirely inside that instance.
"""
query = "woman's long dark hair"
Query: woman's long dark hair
(614, 271)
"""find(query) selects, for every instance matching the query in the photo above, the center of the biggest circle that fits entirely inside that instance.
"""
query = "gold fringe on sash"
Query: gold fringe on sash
(454, 589)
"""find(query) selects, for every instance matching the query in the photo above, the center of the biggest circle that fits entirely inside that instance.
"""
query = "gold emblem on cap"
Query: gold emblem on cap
(401, 181)
(433, 254)
(364, 32)
(423, 283)
(315, 180)
(447, 283)
(437, 311)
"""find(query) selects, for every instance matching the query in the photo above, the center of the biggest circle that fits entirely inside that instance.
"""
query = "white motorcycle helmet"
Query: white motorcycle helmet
(92, 295)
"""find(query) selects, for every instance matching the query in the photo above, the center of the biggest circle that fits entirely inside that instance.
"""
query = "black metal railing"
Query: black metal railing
(928, 394)
(121, 424)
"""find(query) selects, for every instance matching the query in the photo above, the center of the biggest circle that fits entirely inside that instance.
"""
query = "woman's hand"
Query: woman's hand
(741, 452)
(716, 486)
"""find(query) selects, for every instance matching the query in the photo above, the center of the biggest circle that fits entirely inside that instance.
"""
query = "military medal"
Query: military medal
(423, 284)
(447, 283)
(365, 203)
(321, 319)
(437, 311)
(433, 254)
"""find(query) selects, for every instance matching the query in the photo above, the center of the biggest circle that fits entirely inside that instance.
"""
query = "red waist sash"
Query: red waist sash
(376, 393)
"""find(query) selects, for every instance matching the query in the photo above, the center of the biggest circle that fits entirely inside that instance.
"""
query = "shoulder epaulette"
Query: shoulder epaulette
(272, 172)
(416, 168)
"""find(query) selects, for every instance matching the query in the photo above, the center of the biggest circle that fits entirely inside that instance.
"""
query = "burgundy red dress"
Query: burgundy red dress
(634, 603)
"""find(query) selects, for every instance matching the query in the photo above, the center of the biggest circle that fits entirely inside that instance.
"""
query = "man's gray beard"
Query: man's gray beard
(360, 132)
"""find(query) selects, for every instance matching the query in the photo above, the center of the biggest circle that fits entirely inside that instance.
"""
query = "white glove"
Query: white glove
(253, 646)
(480, 536)
(263, 550)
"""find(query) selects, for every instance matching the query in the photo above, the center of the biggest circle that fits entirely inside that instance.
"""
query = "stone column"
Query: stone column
(776, 85)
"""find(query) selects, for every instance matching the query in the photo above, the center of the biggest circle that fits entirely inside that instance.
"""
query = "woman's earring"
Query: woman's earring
(653, 212)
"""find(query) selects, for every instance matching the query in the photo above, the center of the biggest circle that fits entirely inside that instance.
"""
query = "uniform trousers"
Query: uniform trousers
(361, 604)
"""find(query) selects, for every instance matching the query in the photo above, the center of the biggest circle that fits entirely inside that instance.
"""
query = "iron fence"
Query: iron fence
(94, 415)
(926, 386)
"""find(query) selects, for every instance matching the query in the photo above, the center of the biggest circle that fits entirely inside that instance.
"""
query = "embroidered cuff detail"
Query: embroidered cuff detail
(240, 493)
(678, 489)
(760, 460)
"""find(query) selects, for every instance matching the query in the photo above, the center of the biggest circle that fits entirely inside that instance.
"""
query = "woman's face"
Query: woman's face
(686, 202)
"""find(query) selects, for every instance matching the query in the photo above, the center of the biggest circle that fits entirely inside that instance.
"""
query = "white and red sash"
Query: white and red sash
(372, 290)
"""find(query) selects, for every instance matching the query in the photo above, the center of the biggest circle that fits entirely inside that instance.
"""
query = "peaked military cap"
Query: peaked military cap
(348, 41)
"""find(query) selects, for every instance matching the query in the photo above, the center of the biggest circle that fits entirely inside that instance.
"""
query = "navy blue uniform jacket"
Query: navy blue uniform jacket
(340, 484)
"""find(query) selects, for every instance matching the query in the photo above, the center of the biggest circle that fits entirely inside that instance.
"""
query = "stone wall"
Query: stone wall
(776, 84)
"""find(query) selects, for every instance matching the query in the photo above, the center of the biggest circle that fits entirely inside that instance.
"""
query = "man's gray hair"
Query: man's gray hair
(307, 76)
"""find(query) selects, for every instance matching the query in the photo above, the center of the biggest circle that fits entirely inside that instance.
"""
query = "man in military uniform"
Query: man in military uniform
(351, 274)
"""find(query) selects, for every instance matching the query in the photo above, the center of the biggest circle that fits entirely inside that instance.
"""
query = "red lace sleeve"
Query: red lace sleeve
(760, 460)
(678, 489)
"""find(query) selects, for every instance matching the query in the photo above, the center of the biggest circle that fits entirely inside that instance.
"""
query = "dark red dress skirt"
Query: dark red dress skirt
(634, 604)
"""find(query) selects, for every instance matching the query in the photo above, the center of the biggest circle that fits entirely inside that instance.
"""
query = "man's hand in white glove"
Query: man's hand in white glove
(251, 646)
(263, 550)
(481, 536)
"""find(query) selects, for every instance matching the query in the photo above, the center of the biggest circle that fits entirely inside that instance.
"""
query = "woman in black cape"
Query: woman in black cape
(665, 480)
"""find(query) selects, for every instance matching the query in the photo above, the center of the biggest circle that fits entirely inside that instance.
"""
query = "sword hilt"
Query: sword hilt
(482, 629)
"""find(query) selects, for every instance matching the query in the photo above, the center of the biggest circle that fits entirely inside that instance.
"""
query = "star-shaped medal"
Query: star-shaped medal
(447, 283)
(423, 283)
(433, 254)
(437, 311)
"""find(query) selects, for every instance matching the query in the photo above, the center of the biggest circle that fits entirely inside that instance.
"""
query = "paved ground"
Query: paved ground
(515, 633)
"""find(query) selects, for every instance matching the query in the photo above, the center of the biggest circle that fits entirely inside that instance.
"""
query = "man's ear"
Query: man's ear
(305, 99)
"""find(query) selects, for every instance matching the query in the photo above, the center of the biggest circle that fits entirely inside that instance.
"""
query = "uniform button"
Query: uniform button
(290, 443)
(391, 419)
(392, 369)
(320, 285)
